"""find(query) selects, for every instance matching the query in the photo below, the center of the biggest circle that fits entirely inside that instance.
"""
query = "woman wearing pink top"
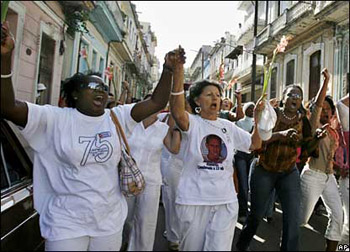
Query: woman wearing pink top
(343, 116)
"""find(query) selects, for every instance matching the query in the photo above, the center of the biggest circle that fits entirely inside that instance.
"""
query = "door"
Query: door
(47, 55)
(315, 73)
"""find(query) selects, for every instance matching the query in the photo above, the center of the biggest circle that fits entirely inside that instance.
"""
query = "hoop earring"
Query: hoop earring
(198, 110)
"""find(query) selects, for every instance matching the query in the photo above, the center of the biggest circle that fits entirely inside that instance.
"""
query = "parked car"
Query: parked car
(19, 220)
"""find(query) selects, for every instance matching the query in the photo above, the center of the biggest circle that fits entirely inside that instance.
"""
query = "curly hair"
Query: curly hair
(197, 89)
(72, 84)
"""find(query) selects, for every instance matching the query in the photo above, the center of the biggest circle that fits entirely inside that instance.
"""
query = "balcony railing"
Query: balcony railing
(290, 20)
(246, 32)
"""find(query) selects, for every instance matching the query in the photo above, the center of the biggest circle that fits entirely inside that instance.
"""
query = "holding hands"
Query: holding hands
(174, 60)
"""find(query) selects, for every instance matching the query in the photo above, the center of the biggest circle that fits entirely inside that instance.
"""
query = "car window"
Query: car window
(16, 166)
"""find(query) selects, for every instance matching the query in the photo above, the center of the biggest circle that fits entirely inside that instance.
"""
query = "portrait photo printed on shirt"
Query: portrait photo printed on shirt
(214, 152)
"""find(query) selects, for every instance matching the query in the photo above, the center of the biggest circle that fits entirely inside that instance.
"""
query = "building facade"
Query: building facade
(320, 31)
(52, 44)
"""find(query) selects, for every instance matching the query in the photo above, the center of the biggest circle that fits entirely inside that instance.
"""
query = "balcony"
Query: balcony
(333, 11)
(105, 23)
(246, 33)
(243, 72)
(243, 5)
(296, 20)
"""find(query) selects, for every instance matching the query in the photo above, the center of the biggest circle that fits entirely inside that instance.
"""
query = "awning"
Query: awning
(235, 53)
(105, 23)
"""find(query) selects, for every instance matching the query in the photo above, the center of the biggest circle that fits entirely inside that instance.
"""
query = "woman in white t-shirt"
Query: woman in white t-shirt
(76, 188)
(206, 200)
(146, 143)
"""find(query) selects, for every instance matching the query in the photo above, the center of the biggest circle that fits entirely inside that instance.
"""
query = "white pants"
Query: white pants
(313, 185)
(142, 218)
(344, 190)
(207, 228)
(87, 243)
(171, 181)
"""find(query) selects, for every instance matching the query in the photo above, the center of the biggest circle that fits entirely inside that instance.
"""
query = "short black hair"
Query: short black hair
(329, 99)
(212, 136)
(302, 110)
(72, 84)
(197, 88)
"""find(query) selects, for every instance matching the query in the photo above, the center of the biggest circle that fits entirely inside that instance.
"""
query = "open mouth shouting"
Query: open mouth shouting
(98, 100)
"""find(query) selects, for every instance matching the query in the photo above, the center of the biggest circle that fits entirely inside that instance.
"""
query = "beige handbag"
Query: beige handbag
(131, 180)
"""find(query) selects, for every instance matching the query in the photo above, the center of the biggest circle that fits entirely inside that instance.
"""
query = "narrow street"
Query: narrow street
(268, 234)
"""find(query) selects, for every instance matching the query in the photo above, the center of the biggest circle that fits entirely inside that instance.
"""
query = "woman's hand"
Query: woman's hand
(175, 59)
(321, 132)
(259, 107)
(7, 40)
(325, 74)
(290, 135)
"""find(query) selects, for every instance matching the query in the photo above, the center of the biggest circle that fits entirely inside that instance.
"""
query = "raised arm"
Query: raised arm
(256, 140)
(172, 140)
(160, 96)
(177, 99)
(11, 109)
(239, 110)
(320, 97)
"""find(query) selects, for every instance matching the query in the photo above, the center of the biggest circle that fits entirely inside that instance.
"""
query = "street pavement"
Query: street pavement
(268, 234)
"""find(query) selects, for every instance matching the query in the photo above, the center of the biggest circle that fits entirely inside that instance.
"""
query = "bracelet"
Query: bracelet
(178, 93)
(165, 67)
(5, 76)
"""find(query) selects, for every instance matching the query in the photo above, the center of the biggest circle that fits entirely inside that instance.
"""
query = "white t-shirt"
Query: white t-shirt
(146, 148)
(76, 184)
(206, 180)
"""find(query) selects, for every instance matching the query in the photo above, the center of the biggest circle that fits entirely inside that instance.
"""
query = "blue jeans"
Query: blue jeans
(242, 163)
(271, 204)
(287, 185)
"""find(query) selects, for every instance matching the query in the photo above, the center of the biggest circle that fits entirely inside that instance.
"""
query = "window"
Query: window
(315, 70)
(284, 5)
(15, 164)
(290, 72)
(273, 83)
(101, 65)
(94, 61)
(82, 63)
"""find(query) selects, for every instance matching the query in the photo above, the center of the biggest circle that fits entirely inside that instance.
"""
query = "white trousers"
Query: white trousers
(207, 228)
(344, 190)
(169, 188)
(142, 218)
(313, 185)
(86, 243)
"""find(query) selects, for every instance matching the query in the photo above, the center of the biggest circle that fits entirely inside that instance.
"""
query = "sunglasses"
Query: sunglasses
(293, 95)
(95, 86)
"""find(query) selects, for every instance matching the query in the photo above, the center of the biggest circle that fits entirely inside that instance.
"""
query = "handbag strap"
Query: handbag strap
(120, 131)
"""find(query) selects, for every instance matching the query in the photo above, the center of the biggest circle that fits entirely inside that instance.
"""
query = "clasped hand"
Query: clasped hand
(175, 59)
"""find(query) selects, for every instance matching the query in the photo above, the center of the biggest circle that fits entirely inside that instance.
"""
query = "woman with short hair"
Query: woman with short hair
(206, 201)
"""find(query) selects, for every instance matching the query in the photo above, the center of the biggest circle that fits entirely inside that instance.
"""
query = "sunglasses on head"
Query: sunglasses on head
(293, 95)
(95, 86)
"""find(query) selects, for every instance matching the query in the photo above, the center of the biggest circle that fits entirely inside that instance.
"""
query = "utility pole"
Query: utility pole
(254, 55)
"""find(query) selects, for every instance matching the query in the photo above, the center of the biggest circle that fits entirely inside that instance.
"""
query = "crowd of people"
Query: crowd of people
(205, 161)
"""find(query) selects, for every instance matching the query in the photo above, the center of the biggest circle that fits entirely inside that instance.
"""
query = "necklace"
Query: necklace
(287, 117)
(223, 130)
